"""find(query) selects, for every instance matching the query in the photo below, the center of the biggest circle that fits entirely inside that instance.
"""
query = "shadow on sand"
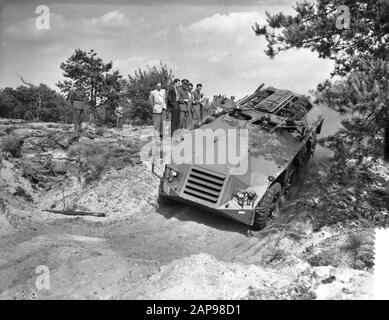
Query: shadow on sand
(183, 212)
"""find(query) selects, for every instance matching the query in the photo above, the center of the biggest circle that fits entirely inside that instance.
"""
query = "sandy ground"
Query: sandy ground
(145, 251)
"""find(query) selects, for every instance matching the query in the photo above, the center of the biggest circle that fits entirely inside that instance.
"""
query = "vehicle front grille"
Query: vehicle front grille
(204, 184)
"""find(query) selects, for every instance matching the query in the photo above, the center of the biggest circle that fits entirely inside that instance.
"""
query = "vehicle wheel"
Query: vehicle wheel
(312, 151)
(267, 207)
(290, 179)
(304, 157)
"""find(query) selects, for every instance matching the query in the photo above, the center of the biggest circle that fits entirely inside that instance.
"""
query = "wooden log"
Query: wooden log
(76, 213)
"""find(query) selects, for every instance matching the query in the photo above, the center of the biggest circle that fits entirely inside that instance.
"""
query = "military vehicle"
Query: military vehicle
(282, 128)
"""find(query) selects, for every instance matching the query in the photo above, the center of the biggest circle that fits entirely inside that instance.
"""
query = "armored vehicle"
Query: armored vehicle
(281, 128)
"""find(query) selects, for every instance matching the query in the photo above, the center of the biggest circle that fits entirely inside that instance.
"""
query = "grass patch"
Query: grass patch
(325, 258)
(354, 243)
(277, 256)
(361, 251)
(52, 125)
(87, 151)
(36, 127)
(93, 159)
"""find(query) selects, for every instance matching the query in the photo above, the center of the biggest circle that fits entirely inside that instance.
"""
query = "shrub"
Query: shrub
(9, 130)
(100, 131)
(74, 150)
(13, 145)
(99, 162)
(95, 159)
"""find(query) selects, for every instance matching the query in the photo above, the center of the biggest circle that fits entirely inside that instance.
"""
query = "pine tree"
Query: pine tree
(363, 95)
(88, 73)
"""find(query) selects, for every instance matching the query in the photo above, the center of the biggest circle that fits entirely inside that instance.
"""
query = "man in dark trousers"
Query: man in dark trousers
(157, 100)
(173, 105)
(183, 101)
(77, 102)
(189, 120)
(196, 106)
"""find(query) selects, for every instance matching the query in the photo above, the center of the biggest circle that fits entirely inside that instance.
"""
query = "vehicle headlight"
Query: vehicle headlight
(245, 197)
(170, 174)
(251, 195)
(240, 195)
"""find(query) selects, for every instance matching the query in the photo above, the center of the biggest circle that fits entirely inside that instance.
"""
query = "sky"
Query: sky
(204, 41)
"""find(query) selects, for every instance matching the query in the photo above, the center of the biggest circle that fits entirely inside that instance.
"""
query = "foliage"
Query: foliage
(92, 159)
(114, 98)
(34, 103)
(103, 88)
(88, 74)
(363, 96)
(139, 87)
(353, 192)
(314, 27)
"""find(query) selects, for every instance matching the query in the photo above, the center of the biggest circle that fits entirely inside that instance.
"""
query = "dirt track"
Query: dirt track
(131, 251)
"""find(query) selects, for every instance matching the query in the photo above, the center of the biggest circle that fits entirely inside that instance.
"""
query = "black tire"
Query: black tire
(304, 157)
(313, 149)
(267, 206)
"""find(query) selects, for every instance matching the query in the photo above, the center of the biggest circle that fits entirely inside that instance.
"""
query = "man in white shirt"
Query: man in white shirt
(157, 100)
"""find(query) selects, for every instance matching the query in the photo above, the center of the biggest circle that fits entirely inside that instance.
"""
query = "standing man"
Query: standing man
(77, 102)
(183, 101)
(157, 100)
(119, 113)
(197, 102)
(173, 105)
(189, 122)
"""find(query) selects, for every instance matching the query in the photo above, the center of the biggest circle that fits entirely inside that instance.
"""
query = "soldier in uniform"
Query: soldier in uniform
(77, 101)
(173, 105)
(197, 103)
(183, 101)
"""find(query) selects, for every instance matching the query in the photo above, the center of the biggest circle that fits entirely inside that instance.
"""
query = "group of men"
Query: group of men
(181, 105)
